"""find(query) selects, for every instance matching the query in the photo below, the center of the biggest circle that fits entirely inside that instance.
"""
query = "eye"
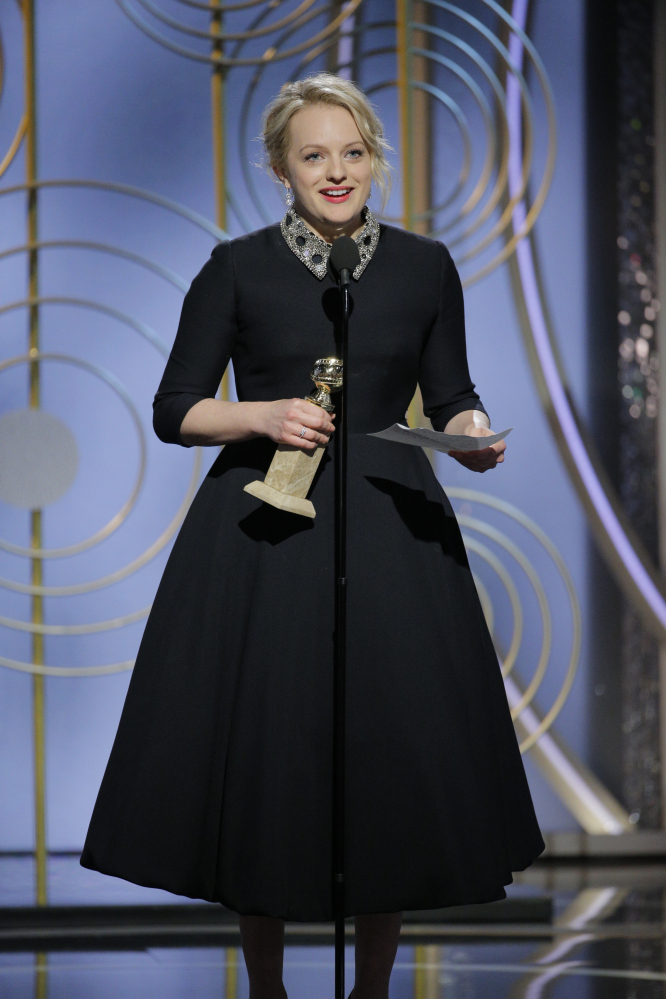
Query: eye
(355, 153)
(312, 156)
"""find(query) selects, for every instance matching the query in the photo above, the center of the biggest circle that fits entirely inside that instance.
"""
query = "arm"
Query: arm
(475, 424)
(212, 421)
(449, 396)
(185, 410)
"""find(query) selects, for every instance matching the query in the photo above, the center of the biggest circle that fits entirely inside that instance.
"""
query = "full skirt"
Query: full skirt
(219, 784)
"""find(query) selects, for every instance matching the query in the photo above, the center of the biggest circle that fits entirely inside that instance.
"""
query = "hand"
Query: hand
(487, 457)
(284, 420)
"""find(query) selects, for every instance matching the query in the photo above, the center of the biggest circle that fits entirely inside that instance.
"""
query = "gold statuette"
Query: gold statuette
(292, 470)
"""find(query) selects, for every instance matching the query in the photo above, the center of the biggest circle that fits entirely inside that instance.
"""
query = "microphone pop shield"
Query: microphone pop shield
(345, 255)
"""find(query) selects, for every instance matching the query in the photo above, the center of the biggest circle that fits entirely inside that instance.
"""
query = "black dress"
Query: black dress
(219, 782)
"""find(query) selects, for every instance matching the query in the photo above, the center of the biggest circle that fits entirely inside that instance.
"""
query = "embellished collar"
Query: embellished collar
(314, 252)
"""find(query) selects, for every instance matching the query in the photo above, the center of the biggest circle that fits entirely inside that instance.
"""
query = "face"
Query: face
(328, 166)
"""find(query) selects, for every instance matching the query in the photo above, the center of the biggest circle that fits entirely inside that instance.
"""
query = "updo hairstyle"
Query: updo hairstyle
(325, 88)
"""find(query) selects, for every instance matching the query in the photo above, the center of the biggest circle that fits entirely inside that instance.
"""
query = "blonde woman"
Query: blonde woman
(219, 782)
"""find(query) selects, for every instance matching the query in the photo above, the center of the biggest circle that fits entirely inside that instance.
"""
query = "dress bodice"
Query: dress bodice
(255, 303)
(219, 782)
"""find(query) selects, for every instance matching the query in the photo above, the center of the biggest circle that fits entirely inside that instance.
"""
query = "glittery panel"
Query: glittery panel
(642, 906)
(314, 252)
(640, 722)
(638, 366)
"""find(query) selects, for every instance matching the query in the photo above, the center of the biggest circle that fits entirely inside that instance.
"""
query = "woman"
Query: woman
(219, 782)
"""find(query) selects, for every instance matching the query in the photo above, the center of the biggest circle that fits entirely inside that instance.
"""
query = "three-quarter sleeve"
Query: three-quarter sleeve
(202, 348)
(446, 386)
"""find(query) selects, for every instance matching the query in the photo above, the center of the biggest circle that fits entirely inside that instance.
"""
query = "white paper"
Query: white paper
(424, 437)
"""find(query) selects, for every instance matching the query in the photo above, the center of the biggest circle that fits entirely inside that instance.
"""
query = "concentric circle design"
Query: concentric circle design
(475, 211)
(19, 134)
(38, 416)
(520, 561)
(472, 67)
(45, 358)
(204, 40)
(38, 458)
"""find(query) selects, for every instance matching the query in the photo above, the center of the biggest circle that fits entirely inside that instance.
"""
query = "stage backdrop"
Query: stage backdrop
(115, 106)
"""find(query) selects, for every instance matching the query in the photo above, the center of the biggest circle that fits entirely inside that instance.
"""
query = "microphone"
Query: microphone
(344, 257)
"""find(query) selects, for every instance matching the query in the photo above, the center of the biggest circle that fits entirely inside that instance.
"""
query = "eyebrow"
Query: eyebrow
(316, 145)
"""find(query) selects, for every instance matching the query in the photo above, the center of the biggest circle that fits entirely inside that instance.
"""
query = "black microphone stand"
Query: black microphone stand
(345, 255)
(340, 668)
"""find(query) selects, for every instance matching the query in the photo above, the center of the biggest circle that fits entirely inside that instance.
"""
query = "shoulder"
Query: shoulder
(413, 244)
(415, 252)
(243, 252)
(253, 244)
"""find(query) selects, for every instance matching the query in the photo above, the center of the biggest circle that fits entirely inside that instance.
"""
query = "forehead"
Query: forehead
(322, 125)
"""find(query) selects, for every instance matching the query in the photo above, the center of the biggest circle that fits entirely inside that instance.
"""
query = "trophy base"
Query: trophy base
(283, 501)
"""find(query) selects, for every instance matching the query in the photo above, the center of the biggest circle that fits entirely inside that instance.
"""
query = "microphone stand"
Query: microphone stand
(339, 675)
(343, 259)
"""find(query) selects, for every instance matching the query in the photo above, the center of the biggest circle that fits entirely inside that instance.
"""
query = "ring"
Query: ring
(302, 433)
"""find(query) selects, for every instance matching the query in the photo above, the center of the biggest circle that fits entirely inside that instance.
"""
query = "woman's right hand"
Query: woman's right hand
(283, 421)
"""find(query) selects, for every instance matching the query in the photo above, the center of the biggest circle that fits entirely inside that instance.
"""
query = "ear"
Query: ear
(281, 176)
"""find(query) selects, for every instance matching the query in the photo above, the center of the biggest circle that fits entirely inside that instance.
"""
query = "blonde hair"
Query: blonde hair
(325, 88)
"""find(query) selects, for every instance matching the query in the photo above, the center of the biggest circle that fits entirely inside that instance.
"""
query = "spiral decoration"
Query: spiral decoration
(493, 550)
(466, 82)
(19, 135)
(471, 215)
(36, 474)
(452, 81)
(207, 40)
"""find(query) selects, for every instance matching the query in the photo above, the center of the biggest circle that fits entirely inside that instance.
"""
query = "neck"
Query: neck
(328, 231)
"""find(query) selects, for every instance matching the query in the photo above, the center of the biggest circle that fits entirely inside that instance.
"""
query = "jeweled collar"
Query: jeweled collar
(314, 251)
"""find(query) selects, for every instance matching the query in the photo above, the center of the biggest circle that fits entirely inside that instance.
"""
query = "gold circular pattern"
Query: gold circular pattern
(168, 533)
(477, 212)
(126, 508)
(500, 540)
(216, 38)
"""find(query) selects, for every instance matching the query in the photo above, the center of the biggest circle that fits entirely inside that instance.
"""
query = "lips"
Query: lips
(336, 195)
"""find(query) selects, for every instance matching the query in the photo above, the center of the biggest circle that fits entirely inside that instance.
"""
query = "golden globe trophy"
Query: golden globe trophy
(292, 470)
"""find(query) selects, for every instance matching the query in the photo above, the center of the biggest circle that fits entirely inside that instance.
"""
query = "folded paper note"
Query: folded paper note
(437, 441)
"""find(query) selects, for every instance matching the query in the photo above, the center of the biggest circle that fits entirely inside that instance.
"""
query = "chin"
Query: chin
(340, 214)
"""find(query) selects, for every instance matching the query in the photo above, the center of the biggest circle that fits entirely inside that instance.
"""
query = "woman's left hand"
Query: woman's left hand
(487, 457)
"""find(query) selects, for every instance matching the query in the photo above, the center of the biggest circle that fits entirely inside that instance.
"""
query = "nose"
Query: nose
(337, 171)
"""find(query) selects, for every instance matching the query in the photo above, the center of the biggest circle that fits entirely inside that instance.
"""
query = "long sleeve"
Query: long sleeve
(202, 348)
(446, 386)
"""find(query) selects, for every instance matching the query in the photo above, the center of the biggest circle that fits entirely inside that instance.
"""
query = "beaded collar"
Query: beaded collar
(314, 251)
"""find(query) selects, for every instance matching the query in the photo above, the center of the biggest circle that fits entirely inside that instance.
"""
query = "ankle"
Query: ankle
(370, 990)
(272, 991)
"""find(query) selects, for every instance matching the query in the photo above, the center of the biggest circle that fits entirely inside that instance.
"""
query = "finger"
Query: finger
(310, 436)
(296, 426)
(477, 461)
(462, 458)
(301, 442)
(309, 440)
(312, 416)
(313, 422)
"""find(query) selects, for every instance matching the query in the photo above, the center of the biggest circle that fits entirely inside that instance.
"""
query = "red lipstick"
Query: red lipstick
(332, 197)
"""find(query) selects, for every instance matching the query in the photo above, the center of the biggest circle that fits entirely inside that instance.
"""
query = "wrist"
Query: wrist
(480, 419)
(468, 423)
(256, 418)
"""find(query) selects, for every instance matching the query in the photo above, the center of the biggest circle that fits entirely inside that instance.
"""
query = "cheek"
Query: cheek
(363, 172)
(364, 177)
(308, 175)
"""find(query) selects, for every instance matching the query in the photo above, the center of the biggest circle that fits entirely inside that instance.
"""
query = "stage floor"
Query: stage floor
(572, 930)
